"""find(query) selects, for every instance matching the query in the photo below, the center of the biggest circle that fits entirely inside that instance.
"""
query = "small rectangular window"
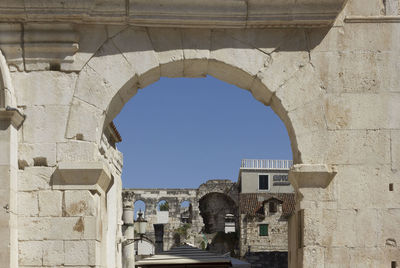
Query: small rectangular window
(263, 183)
(263, 229)
(272, 207)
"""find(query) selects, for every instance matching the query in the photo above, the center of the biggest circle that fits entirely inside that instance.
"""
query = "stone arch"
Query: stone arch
(265, 62)
(7, 96)
(213, 208)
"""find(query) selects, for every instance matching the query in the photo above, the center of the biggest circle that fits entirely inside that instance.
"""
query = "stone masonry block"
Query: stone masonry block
(50, 203)
(77, 151)
(76, 253)
(85, 119)
(80, 203)
(27, 153)
(107, 57)
(395, 149)
(45, 124)
(82, 253)
(50, 228)
(53, 253)
(93, 88)
(34, 178)
(30, 253)
(196, 50)
(358, 147)
(137, 48)
(168, 45)
(28, 204)
(44, 88)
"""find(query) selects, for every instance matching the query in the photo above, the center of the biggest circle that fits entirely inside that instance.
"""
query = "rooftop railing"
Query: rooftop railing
(266, 164)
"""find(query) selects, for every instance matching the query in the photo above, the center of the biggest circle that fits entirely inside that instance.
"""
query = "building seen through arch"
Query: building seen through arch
(248, 218)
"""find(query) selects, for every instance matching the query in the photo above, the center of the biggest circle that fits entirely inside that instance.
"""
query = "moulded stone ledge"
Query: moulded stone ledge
(180, 13)
(16, 117)
(81, 176)
(311, 175)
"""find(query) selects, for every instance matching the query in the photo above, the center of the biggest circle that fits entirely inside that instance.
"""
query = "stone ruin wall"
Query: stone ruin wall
(152, 196)
(334, 86)
(174, 197)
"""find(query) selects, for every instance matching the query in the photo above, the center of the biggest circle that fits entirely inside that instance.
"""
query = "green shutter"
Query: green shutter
(263, 229)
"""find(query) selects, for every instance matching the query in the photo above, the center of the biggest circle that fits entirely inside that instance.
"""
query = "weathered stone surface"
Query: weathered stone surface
(45, 124)
(78, 123)
(49, 228)
(336, 89)
(27, 153)
(138, 49)
(34, 178)
(80, 203)
(395, 149)
(30, 253)
(76, 253)
(28, 204)
(72, 151)
(50, 203)
(44, 88)
(53, 253)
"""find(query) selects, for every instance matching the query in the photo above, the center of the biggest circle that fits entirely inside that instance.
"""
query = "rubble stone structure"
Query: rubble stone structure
(329, 69)
(206, 196)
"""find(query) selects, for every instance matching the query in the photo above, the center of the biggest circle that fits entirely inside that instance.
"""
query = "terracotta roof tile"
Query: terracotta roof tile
(251, 204)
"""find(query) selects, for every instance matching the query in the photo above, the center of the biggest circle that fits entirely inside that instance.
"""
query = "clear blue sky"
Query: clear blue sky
(181, 132)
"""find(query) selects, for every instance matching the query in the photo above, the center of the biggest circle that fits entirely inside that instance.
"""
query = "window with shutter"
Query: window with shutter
(263, 229)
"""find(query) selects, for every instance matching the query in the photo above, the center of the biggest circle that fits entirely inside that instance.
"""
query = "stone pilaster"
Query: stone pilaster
(313, 186)
(10, 121)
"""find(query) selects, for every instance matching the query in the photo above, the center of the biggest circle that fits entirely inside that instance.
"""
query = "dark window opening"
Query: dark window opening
(263, 182)
(263, 229)
(272, 207)
(391, 187)
(394, 264)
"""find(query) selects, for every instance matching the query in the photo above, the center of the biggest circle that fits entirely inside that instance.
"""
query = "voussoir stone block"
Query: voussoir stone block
(93, 88)
(137, 48)
(196, 45)
(233, 61)
(168, 45)
(85, 119)
(105, 60)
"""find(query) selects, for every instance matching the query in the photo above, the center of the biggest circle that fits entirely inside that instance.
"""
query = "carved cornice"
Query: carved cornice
(311, 176)
(12, 114)
(38, 46)
(177, 13)
(372, 19)
(81, 176)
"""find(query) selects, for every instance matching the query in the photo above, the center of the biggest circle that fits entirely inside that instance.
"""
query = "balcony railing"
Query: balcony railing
(266, 164)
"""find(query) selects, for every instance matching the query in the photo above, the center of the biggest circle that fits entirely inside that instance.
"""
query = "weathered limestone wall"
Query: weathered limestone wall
(335, 88)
